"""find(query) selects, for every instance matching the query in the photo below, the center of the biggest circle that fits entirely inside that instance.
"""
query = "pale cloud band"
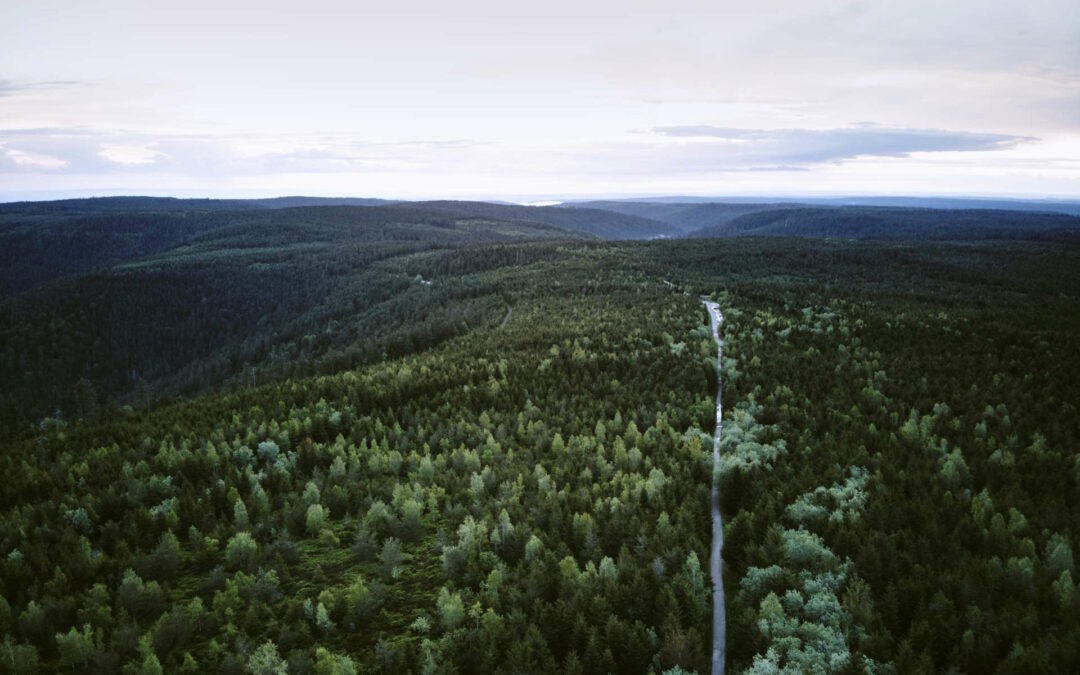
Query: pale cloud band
(702, 160)
(13, 87)
(706, 148)
(812, 146)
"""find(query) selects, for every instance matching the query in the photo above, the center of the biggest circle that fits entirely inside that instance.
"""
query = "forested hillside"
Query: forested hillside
(385, 439)
(896, 223)
(530, 496)
(287, 202)
(42, 241)
(257, 294)
(687, 217)
(600, 223)
(879, 218)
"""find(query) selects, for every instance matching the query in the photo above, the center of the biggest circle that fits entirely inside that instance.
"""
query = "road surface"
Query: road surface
(715, 561)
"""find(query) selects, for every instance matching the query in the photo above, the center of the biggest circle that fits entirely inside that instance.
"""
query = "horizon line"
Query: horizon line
(537, 199)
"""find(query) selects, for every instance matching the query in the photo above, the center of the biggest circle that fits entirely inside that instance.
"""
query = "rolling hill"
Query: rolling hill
(600, 223)
(184, 301)
(43, 241)
(896, 223)
(687, 217)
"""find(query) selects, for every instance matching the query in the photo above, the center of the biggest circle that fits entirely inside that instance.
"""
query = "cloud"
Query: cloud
(685, 152)
(13, 87)
(125, 153)
(81, 150)
(817, 146)
(33, 160)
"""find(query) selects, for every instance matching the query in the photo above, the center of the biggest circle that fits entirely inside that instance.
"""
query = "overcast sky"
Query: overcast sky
(538, 100)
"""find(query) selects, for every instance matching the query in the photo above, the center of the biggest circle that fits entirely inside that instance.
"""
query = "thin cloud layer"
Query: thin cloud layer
(701, 148)
(814, 146)
(13, 87)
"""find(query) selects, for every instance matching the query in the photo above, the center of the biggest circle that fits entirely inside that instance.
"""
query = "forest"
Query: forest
(341, 438)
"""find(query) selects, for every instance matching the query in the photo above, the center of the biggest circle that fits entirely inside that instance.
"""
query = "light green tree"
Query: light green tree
(18, 658)
(316, 518)
(391, 557)
(311, 493)
(241, 551)
(533, 548)
(322, 619)
(328, 663)
(451, 609)
(240, 515)
(266, 661)
(75, 647)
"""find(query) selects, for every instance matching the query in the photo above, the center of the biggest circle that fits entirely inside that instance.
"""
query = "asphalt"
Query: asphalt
(715, 559)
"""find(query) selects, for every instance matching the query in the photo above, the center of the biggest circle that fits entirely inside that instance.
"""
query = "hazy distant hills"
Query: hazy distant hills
(102, 205)
(894, 222)
(288, 202)
(965, 203)
(602, 223)
(1053, 205)
(42, 241)
(687, 217)
(936, 218)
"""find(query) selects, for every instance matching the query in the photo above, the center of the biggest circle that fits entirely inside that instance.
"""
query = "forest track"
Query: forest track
(715, 560)
(506, 319)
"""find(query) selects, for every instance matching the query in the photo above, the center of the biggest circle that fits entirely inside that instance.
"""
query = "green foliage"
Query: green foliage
(327, 663)
(266, 661)
(19, 659)
(917, 495)
(315, 519)
(391, 558)
(451, 609)
(242, 551)
(75, 647)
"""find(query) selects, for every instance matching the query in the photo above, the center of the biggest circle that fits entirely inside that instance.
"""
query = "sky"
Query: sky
(540, 100)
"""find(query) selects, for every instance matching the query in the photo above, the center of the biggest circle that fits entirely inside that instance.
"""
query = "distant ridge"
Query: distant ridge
(1049, 204)
(687, 217)
(602, 223)
(895, 222)
(288, 202)
(43, 241)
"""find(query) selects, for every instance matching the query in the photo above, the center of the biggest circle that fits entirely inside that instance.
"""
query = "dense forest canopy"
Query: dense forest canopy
(42, 241)
(430, 438)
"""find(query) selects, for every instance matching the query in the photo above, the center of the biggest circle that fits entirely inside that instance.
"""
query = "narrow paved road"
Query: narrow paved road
(715, 561)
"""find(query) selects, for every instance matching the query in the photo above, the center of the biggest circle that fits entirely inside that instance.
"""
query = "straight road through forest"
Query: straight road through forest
(715, 562)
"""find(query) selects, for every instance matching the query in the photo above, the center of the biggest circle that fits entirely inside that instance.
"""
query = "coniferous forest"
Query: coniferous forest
(444, 439)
